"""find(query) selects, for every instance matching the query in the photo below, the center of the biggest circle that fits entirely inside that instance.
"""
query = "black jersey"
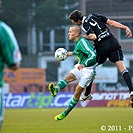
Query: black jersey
(96, 23)
(106, 45)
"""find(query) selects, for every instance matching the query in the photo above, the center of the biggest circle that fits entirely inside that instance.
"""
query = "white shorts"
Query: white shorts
(85, 75)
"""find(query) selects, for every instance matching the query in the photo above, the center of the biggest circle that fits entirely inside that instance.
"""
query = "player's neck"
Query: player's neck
(76, 39)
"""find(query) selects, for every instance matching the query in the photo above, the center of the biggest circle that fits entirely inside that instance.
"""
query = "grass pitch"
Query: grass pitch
(80, 120)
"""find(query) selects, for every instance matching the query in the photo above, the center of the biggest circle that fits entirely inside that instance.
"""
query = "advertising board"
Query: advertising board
(45, 100)
(24, 75)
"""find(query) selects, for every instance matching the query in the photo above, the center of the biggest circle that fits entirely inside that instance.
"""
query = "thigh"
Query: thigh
(88, 75)
(102, 51)
(70, 77)
(116, 55)
(76, 72)
(101, 59)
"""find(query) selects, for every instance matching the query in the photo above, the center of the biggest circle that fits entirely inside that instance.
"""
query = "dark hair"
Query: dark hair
(76, 15)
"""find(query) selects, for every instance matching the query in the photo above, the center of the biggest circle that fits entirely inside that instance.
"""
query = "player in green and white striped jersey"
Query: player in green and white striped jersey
(9, 55)
(84, 71)
(84, 52)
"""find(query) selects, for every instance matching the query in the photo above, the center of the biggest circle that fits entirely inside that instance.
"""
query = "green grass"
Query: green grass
(80, 120)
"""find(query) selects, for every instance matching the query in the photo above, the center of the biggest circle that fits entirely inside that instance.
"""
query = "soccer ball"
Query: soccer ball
(61, 54)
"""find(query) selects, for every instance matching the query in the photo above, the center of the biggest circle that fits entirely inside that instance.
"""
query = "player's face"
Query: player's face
(71, 34)
(79, 22)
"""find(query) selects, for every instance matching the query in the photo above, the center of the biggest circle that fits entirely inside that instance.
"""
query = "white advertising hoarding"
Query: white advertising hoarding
(106, 75)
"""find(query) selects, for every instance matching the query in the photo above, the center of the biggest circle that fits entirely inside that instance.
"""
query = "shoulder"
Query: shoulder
(84, 41)
(102, 17)
(4, 27)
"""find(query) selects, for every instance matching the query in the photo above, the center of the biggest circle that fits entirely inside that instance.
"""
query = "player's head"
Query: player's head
(76, 17)
(74, 33)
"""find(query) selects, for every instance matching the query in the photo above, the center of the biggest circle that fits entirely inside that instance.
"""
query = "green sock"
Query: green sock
(62, 84)
(71, 105)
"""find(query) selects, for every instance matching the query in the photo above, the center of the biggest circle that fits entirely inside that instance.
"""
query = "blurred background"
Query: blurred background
(41, 26)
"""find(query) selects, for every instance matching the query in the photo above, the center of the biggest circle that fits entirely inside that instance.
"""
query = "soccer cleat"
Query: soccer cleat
(52, 90)
(83, 97)
(59, 117)
(131, 99)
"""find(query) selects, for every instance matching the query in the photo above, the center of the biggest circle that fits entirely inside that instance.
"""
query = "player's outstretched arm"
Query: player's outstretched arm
(119, 25)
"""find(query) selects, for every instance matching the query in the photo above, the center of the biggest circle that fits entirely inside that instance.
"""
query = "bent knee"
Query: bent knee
(70, 77)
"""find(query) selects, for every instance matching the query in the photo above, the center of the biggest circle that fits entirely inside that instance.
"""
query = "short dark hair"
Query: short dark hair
(76, 15)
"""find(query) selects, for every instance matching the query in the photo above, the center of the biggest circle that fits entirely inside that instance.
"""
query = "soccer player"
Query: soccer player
(9, 55)
(84, 71)
(106, 45)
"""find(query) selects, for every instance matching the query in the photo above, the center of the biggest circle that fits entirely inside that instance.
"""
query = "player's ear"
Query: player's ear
(79, 21)
(77, 34)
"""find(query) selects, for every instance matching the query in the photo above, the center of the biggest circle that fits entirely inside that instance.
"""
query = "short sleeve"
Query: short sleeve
(102, 18)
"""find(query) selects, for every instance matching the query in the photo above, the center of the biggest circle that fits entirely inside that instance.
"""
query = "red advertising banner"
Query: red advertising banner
(107, 99)
(24, 75)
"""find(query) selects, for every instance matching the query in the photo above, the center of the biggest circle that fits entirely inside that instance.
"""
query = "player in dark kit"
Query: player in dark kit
(106, 45)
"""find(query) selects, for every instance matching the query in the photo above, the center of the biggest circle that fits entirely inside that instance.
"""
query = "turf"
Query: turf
(80, 120)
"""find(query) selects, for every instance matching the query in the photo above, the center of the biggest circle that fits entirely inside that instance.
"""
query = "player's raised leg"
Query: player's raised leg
(55, 88)
(52, 89)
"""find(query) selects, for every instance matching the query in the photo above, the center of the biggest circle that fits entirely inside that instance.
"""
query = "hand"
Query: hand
(69, 53)
(81, 67)
(128, 32)
(91, 36)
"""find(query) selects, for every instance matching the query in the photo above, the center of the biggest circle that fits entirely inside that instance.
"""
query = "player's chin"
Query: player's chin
(70, 38)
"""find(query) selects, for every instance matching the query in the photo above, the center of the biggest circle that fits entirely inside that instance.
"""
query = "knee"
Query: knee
(70, 78)
(124, 71)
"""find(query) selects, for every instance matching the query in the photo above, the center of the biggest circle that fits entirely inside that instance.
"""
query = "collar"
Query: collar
(81, 26)
(83, 19)
(79, 39)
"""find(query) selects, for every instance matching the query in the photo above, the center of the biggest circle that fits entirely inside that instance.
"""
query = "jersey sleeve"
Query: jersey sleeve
(74, 52)
(9, 47)
(102, 18)
(88, 53)
(91, 60)
(91, 57)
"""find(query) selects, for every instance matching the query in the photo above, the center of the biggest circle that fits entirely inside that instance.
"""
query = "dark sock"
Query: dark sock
(88, 89)
(127, 79)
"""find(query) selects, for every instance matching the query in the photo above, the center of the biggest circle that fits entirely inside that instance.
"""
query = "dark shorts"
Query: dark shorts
(109, 48)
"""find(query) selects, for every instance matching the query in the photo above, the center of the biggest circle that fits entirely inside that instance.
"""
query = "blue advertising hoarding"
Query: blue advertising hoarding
(36, 100)
(45, 100)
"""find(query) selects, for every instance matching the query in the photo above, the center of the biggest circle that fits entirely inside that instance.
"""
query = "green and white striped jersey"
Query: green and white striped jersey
(9, 50)
(84, 52)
